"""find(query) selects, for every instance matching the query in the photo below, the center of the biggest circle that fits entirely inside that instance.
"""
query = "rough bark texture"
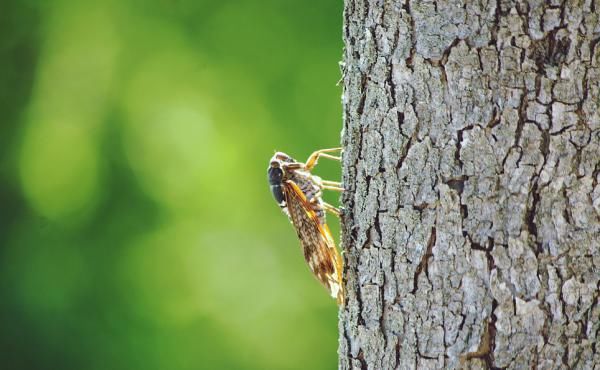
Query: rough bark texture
(472, 212)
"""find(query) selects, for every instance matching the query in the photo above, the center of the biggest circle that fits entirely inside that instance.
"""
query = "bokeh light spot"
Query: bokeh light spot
(59, 158)
(59, 169)
(169, 135)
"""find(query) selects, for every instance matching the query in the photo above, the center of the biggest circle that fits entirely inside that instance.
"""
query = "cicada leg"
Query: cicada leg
(331, 209)
(327, 185)
(332, 185)
(312, 160)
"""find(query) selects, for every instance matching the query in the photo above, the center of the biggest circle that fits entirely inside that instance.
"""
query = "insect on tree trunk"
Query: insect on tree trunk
(471, 224)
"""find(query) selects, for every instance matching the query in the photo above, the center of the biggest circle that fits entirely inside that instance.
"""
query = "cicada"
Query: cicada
(299, 194)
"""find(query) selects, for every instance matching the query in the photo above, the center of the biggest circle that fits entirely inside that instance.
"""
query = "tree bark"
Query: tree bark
(471, 163)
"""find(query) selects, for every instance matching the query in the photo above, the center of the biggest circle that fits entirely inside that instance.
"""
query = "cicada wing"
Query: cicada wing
(317, 243)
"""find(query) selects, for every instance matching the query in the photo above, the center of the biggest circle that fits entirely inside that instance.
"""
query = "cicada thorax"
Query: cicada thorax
(310, 190)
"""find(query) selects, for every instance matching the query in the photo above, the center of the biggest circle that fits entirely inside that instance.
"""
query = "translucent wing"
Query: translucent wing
(317, 243)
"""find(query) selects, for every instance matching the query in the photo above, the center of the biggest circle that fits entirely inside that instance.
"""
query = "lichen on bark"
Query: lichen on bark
(471, 164)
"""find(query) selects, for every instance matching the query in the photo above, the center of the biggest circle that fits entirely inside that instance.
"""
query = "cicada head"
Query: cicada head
(276, 174)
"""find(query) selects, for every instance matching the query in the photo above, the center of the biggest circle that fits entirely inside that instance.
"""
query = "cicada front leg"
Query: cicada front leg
(313, 159)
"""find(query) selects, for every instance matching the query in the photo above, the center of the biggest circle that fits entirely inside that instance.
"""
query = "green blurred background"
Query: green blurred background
(137, 230)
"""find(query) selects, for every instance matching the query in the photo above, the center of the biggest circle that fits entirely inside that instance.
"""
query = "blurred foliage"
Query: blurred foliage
(137, 230)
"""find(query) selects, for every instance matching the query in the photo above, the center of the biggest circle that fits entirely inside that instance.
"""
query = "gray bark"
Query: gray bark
(471, 223)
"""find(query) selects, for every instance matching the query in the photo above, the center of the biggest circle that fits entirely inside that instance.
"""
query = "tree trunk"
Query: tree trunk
(471, 223)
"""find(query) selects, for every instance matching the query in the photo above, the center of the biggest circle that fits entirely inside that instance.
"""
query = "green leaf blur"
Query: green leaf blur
(137, 230)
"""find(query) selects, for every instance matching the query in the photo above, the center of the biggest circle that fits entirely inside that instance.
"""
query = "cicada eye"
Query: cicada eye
(274, 175)
(277, 191)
